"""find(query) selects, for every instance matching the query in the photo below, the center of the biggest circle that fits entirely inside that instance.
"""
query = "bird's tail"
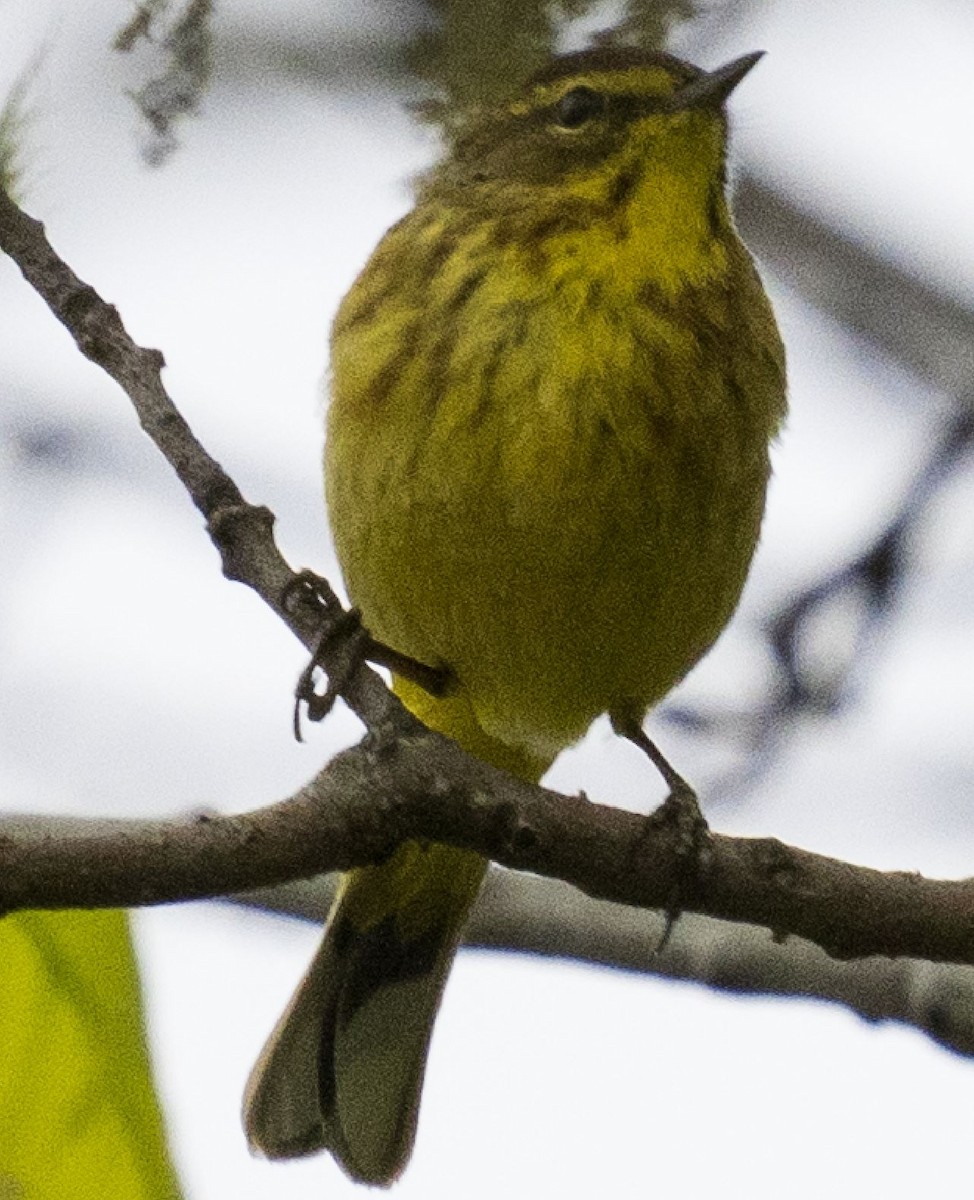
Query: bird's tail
(343, 1070)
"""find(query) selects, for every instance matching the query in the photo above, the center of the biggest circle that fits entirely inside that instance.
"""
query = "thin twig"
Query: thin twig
(242, 532)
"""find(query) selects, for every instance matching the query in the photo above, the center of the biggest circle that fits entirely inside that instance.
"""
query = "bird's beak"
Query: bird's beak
(712, 89)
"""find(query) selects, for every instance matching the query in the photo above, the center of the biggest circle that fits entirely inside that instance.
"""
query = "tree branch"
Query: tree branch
(405, 782)
(388, 789)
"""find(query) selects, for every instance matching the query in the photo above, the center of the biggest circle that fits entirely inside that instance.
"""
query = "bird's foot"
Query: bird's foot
(680, 811)
(343, 646)
(340, 651)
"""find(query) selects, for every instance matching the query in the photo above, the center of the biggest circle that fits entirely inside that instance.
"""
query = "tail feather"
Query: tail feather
(376, 1038)
(343, 1069)
(281, 1111)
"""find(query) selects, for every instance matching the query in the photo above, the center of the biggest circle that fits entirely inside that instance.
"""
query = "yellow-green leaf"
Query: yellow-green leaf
(78, 1114)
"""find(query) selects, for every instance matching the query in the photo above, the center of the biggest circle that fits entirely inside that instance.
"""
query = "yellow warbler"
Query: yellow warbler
(553, 389)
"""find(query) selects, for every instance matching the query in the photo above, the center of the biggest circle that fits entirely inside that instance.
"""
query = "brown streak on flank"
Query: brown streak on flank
(385, 379)
(437, 363)
(623, 185)
(433, 260)
(703, 309)
(650, 295)
(563, 220)
(514, 337)
(463, 293)
(485, 391)
(593, 297)
(708, 314)
(371, 302)
(621, 228)
(389, 269)
(714, 222)
(504, 231)
(440, 354)
(530, 235)
(663, 428)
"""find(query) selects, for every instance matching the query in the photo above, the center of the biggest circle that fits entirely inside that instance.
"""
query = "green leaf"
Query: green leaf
(78, 1114)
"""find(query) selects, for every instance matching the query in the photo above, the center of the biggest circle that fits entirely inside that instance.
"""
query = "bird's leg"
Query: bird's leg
(680, 810)
(343, 646)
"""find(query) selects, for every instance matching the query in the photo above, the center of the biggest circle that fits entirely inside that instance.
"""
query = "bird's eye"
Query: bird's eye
(577, 107)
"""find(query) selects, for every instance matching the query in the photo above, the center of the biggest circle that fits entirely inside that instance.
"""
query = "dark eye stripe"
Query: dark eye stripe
(577, 107)
(582, 104)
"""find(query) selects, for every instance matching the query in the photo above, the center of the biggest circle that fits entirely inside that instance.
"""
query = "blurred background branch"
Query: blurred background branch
(529, 915)
(182, 69)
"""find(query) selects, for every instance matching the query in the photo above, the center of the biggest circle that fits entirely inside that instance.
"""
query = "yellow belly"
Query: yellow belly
(567, 532)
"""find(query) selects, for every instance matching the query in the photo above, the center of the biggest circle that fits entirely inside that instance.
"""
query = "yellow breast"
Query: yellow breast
(546, 459)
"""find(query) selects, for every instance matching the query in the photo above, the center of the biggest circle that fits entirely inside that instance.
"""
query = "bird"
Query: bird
(554, 386)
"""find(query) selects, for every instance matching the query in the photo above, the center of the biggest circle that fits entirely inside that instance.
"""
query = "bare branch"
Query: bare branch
(391, 788)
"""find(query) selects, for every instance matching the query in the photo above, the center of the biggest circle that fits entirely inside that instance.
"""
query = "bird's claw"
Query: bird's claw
(681, 812)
